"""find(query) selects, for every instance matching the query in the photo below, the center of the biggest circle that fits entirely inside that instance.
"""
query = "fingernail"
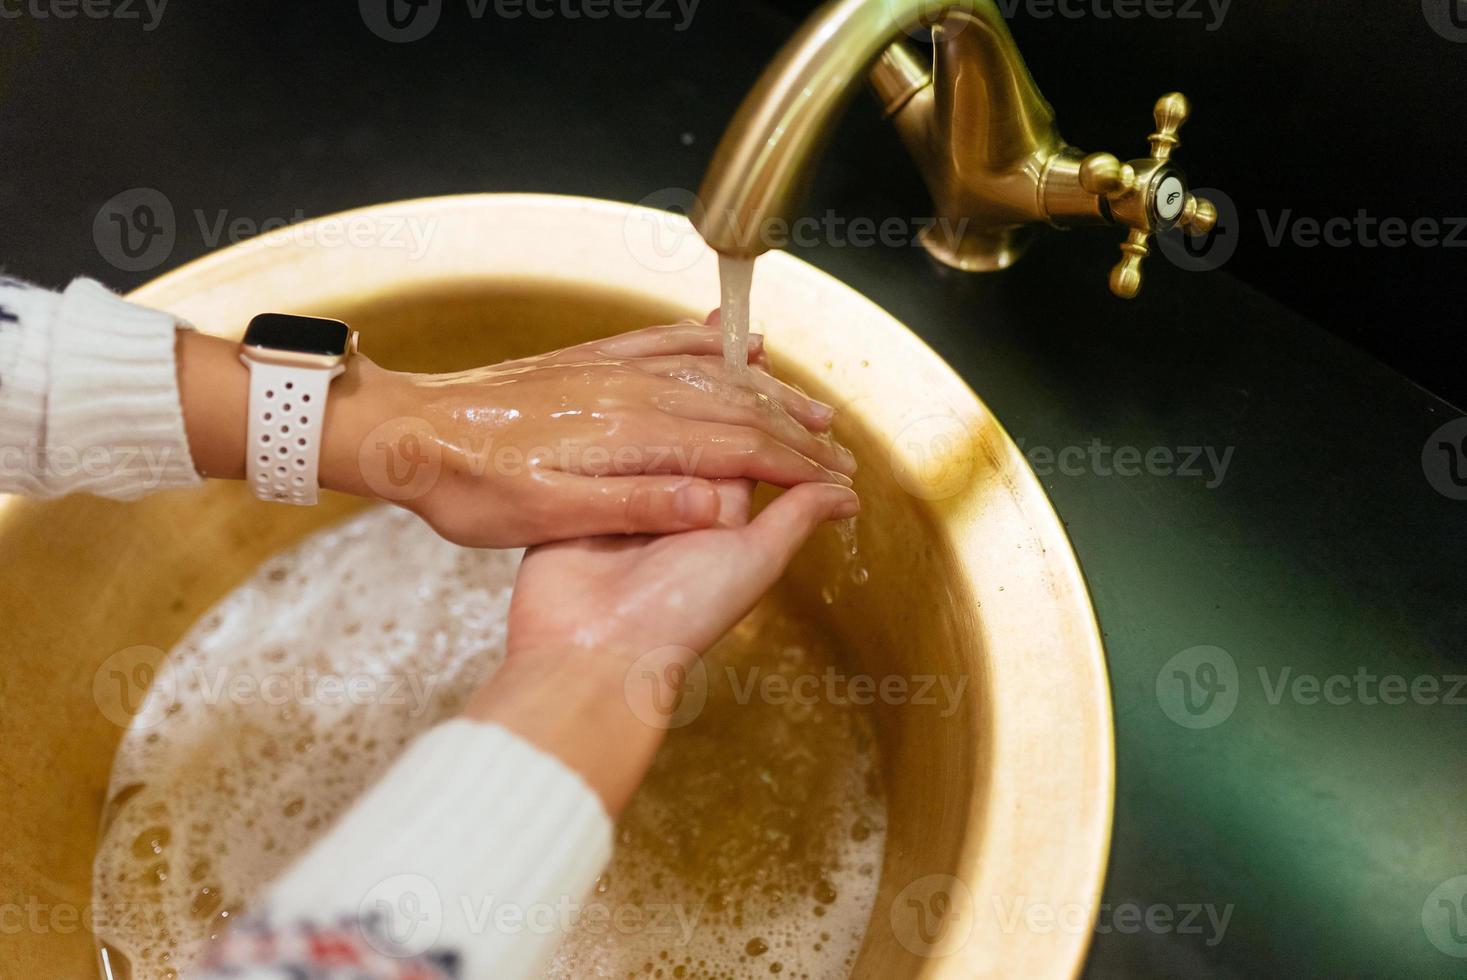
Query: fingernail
(847, 458)
(756, 342)
(840, 478)
(846, 508)
(696, 504)
(820, 410)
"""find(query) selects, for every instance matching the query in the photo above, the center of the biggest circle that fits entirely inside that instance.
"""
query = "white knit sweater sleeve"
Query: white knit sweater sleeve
(475, 845)
(88, 395)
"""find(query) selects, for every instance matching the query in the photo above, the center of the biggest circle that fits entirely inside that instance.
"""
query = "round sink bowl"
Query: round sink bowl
(999, 804)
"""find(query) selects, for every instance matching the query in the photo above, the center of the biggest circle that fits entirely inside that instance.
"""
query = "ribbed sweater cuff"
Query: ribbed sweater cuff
(474, 842)
(114, 419)
(26, 317)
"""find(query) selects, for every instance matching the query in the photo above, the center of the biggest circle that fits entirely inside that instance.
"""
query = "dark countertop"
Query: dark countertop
(1323, 549)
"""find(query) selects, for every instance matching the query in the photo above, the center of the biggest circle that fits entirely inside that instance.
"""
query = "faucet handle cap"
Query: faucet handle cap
(1199, 215)
(1125, 278)
(1105, 176)
(1171, 111)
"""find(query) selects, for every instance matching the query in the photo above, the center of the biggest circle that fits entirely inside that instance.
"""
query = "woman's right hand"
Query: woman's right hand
(617, 436)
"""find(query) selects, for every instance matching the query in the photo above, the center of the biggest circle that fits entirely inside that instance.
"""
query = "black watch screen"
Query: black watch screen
(301, 334)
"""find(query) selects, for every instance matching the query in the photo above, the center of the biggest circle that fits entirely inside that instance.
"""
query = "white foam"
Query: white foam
(245, 751)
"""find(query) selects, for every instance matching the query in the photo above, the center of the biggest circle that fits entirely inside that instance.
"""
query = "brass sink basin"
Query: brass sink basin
(999, 812)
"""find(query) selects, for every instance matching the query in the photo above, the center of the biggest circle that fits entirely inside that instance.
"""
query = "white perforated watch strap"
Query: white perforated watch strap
(287, 408)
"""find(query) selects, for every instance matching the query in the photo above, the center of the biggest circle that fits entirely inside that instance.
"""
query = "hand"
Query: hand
(601, 438)
(626, 596)
(621, 435)
(585, 613)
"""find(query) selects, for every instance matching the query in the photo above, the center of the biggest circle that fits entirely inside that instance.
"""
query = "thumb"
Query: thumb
(783, 526)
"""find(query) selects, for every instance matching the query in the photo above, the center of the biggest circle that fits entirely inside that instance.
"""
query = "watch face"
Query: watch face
(300, 334)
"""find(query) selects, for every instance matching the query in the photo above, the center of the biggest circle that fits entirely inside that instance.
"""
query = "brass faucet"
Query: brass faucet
(975, 122)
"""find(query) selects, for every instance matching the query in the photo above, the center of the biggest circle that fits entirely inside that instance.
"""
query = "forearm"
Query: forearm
(602, 715)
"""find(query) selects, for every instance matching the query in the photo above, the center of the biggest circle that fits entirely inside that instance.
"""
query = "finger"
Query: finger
(662, 341)
(734, 500)
(717, 451)
(708, 372)
(783, 526)
(586, 505)
(732, 405)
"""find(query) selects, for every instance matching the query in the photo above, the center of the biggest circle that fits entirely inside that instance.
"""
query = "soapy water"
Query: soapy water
(761, 824)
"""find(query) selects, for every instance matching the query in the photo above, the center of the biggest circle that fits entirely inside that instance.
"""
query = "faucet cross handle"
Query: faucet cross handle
(1148, 195)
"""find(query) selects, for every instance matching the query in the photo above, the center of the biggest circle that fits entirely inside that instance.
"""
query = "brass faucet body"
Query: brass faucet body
(981, 133)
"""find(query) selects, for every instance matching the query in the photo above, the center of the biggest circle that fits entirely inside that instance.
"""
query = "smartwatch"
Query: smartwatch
(292, 362)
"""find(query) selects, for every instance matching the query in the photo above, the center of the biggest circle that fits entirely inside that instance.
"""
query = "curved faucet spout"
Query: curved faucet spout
(982, 135)
(980, 127)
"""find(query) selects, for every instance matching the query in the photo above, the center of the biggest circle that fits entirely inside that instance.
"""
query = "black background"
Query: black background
(1301, 109)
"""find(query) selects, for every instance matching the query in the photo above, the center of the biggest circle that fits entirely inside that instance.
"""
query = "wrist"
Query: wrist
(363, 400)
(595, 712)
(214, 391)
